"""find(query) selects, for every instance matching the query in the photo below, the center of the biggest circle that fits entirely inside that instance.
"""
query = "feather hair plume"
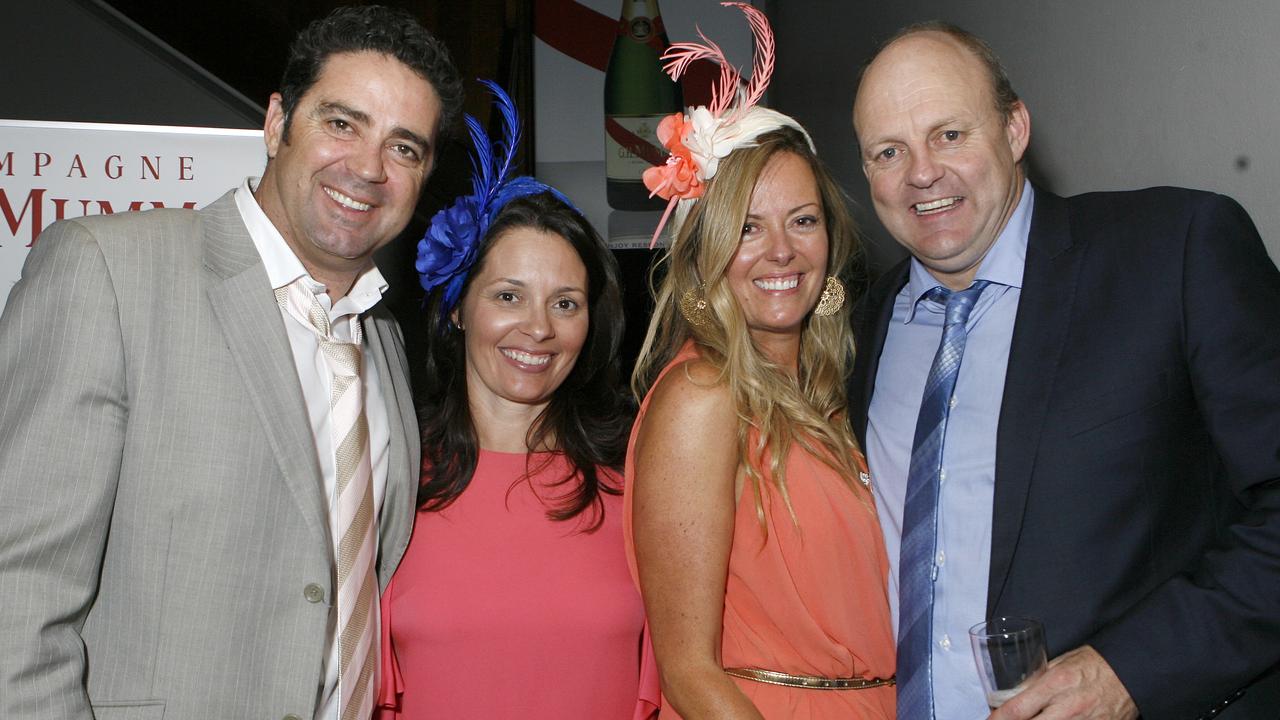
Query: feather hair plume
(701, 137)
(447, 251)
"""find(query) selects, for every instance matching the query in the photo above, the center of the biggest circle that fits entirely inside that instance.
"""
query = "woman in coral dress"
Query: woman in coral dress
(513, 598)
(750, 522)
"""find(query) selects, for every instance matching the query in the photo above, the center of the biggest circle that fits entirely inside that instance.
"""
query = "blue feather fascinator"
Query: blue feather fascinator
(447, 252)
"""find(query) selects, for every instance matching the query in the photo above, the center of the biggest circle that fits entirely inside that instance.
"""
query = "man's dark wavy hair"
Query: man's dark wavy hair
(589, 416)
(370, 28)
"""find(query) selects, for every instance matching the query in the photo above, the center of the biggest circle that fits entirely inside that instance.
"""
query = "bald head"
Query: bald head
(1002, 93)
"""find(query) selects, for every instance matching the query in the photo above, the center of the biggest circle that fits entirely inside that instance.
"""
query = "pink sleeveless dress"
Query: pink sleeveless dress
(807, 600)
(497, 611)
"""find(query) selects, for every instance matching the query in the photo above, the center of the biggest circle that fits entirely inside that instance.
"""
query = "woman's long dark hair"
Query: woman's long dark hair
(588, 417)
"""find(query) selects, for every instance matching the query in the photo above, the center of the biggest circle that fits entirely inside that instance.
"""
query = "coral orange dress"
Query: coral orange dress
(497, 611)
(805, 600)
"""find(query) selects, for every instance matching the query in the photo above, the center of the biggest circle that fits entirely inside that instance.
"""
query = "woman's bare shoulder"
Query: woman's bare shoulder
(691, 390)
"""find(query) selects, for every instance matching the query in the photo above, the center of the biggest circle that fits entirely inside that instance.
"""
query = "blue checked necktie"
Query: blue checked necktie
(916, 568)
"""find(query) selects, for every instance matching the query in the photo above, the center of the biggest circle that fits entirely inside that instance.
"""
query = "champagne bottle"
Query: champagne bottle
(637, 95)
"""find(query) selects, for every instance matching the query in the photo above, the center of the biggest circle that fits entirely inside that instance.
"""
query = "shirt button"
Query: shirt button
(942, 475)
(291, 716)
(942, 558)
(313, 593)
(953, 401)
(945, 642)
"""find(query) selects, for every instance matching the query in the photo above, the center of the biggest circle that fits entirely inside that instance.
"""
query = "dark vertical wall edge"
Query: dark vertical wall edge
(252, 112)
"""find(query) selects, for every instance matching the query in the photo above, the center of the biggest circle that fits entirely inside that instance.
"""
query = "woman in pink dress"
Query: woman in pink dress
(513, 599)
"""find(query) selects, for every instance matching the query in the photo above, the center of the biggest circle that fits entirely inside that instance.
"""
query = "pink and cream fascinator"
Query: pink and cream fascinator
(701, 137)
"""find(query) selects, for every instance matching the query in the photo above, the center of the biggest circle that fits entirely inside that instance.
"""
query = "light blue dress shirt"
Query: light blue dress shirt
(969, 451)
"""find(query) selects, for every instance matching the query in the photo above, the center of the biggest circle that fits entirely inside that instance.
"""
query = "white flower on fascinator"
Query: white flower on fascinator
(709, 140)
(713, 138)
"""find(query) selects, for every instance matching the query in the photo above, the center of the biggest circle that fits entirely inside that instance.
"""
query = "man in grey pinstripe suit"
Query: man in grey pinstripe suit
(166, 471)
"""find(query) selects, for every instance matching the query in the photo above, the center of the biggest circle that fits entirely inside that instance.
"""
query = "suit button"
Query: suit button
(313, 593)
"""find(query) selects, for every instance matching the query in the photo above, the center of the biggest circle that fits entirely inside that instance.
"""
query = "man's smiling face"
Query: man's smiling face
(941, 161)
(344, 178)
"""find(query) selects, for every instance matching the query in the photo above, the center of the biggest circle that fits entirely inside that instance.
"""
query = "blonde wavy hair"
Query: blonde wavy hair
(810, 408)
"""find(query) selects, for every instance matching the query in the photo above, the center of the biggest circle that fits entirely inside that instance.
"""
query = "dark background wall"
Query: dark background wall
(81, 61)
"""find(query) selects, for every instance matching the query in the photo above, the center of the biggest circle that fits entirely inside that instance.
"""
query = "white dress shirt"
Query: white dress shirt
(283, 267)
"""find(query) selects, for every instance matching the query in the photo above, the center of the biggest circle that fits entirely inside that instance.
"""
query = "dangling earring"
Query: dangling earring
(693, 306)
(832, 298)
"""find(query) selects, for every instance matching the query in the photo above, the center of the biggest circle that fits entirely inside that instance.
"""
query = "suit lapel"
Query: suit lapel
(1039, 335)
(872, 325)
(245, 307)
(400, 500)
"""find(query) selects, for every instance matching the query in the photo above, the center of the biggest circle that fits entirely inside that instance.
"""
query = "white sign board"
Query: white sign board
(50, 171)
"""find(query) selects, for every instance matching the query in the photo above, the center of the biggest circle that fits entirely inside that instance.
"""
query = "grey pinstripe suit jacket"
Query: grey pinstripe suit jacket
(164, 548)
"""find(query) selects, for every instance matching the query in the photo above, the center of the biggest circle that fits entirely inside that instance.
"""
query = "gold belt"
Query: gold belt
(805, 681)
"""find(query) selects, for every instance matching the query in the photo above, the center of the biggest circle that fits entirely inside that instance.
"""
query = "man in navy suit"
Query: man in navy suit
(1110, 454)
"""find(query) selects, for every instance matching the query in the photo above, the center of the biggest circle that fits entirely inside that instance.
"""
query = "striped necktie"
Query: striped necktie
(917, 569)
(357, 599)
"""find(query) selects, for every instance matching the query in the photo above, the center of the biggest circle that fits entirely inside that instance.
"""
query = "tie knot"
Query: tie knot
(958, 303)
(342, 358)
(305, 307)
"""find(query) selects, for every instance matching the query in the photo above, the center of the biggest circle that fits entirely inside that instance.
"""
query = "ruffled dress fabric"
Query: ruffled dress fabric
(805, 600)
(497, 611)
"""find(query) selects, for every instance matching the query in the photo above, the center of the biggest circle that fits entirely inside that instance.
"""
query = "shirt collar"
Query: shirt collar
(1003, 264)
(283, 267)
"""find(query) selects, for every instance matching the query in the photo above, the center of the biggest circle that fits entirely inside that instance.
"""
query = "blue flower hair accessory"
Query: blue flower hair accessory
(448, 250)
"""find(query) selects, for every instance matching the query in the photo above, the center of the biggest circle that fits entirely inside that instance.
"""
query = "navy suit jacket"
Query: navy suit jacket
(1137, 482)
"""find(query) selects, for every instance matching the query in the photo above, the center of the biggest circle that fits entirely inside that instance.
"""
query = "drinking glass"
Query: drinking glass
(1009, 652)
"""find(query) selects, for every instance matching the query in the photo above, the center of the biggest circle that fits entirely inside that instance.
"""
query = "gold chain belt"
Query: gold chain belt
(806, 681)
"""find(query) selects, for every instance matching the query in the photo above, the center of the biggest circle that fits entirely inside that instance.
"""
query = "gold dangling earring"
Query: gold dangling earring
(832, 298)
(693, 306)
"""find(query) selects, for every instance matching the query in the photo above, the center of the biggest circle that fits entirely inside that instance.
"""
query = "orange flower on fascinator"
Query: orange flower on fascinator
(679, 176)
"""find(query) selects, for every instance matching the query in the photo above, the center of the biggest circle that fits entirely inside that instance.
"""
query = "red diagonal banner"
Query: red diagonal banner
(587, 36)
(575, 30)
